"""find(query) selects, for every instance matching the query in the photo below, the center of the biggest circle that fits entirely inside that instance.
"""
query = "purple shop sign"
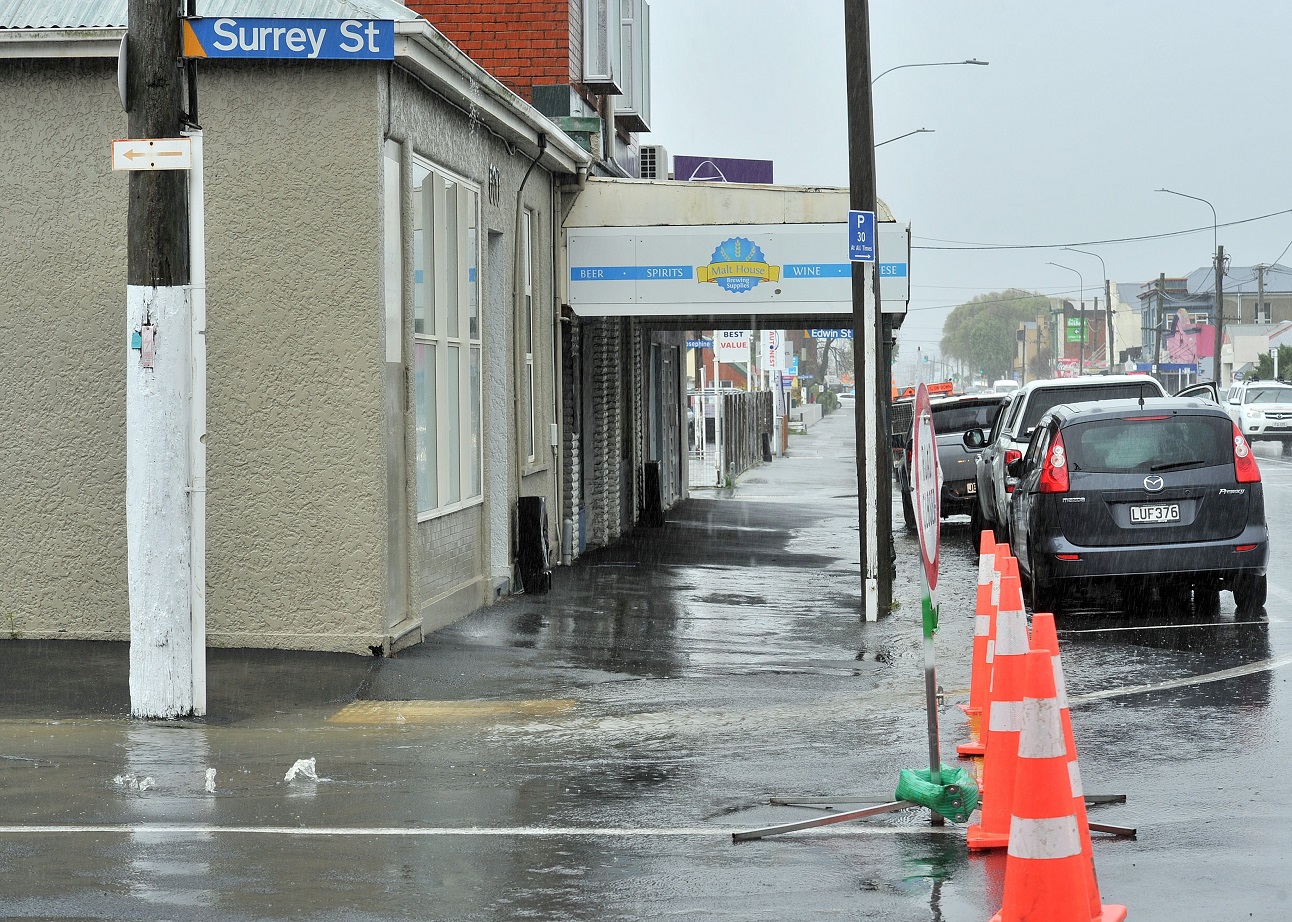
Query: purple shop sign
(721, 169)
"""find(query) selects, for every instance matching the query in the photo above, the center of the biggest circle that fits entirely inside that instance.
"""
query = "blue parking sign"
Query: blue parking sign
(861, 236)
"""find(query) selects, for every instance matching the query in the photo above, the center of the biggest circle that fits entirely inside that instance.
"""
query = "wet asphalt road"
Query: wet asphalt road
(587, 754)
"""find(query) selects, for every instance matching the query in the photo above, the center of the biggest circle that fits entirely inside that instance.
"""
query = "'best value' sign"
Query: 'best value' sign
(310, 39)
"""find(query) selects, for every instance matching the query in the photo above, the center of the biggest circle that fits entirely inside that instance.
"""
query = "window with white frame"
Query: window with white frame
(632, 108)
(446, 340)
(602, 48)
(527, 322)
(1263, 313)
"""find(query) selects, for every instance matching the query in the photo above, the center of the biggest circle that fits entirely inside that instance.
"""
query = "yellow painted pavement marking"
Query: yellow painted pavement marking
(382, 713)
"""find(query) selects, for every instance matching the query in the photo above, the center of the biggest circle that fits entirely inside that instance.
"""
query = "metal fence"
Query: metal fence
(736, 434)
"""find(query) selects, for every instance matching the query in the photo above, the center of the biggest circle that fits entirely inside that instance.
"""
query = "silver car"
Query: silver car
(1030, 402)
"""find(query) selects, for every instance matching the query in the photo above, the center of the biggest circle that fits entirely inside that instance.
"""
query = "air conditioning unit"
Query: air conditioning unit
(652, 162)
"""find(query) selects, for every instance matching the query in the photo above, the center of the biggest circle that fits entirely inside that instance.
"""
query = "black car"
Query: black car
(952, 418)
(1158, 492)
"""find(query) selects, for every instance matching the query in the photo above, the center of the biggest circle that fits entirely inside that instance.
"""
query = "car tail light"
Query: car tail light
(1241, 548)
(1054, 470)
(1010, 457)
(1244, 461)
(1068, 556)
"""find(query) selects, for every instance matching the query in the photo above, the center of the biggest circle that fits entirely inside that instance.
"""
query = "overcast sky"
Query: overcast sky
(1083, 111)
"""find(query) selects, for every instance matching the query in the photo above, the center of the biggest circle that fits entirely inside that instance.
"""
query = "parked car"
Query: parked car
(1004, 386)
(952, 418)
(1032, 401)
(1263, 411)
(847, 399)
(1161, 492)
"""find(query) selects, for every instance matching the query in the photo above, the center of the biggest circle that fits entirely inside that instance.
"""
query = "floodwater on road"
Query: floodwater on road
(588, 754)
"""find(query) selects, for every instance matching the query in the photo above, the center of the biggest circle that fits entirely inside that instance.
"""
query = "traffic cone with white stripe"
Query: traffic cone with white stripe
(1044, 877)
(1046, 637)
(1004, 713)
(984, 639)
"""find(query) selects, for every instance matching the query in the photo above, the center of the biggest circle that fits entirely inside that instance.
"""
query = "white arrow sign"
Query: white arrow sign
(152, 154)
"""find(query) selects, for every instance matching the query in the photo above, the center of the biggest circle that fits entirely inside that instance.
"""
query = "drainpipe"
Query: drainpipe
(518, 281)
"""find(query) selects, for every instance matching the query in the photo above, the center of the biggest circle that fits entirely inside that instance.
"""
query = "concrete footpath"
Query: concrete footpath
(583, 754)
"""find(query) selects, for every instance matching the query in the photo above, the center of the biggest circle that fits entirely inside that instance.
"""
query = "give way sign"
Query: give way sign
(926, 489)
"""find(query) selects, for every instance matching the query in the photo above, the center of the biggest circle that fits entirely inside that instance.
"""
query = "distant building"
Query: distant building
(1254, 295)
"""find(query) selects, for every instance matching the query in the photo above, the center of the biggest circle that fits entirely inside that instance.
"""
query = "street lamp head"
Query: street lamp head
(976, 61)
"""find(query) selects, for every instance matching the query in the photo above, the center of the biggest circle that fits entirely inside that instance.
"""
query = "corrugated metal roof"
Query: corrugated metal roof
(108, 14)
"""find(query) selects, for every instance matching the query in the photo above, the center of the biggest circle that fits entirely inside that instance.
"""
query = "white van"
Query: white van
(1004, 386)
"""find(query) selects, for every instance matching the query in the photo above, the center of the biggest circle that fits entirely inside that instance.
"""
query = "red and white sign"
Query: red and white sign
(775, 355)
(731, 346)
(926, 486)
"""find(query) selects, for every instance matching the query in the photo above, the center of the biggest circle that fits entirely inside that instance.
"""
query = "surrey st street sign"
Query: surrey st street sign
(309, 39)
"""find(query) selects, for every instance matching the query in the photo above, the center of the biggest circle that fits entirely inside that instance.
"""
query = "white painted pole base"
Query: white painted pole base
(158, 547)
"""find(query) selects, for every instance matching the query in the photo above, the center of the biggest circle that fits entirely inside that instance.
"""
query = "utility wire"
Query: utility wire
(969, 245)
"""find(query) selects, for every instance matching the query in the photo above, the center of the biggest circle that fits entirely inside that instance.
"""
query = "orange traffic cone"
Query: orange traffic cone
(1004, 712)
(984, 626)
(1045, 637)
(1044, 878)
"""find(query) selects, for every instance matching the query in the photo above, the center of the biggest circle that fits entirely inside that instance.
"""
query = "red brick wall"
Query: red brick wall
(522, 42)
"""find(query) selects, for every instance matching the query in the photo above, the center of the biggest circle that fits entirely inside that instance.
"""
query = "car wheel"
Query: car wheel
(1249, 594)
(1287, 448)
(1045, 593)
(1045, 597)
(908, 512)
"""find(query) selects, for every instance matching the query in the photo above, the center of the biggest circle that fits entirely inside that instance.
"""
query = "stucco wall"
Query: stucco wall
(295, 452)
(295, 463)
(62, 383)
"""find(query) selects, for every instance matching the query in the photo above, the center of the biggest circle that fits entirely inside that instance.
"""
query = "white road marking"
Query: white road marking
(180, 829)
(1172, 627)
(1265, 665)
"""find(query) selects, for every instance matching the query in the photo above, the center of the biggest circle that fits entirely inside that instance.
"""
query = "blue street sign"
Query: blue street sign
(861, 236)
(309, 39)
(699, 344)
(845, 333)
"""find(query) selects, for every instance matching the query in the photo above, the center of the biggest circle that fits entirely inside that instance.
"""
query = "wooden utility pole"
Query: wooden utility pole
(1220, 312)
(159, 317)
(1108, 330)
(874, 460)
(1157, 332)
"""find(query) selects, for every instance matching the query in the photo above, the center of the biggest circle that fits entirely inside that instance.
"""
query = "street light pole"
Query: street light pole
(1081, 316)
(1220, 274)
(1108, 304)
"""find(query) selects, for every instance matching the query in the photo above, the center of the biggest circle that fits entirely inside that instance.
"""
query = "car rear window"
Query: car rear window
(965, 417)
(1045, 399)
(1149, 443)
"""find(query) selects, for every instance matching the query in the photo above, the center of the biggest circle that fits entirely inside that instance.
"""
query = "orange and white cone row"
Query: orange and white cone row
(983, 640)
(1004, 715)
(1046, 637)
(1045, 880)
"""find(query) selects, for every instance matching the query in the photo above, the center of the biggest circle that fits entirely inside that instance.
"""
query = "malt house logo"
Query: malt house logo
(737, 265)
